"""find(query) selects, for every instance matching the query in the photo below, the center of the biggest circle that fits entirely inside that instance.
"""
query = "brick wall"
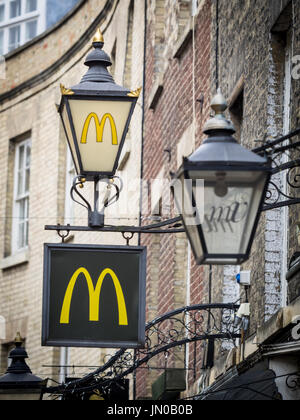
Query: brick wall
(254, 53)
(165, 126)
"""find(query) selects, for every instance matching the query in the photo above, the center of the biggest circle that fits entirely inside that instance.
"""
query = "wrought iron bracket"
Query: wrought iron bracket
(277, 195)
(174, 329)
(282, 193)
(167, 226)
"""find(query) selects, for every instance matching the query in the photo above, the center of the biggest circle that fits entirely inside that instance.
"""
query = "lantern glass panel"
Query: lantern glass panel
(231, 204)
(188, 195)
(68, 131)
(99, 126)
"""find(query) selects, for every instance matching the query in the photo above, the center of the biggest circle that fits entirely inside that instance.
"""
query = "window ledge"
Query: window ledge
(156, 91)
(19, 258)
(184, 40)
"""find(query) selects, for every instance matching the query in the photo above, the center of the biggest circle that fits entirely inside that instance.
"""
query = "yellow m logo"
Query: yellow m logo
(99, 128)
(94, 295)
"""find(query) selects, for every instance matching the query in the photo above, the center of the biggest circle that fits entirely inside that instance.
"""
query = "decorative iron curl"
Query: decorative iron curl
(293, 382)
(175, 329)
(275, 196)
(293, 179)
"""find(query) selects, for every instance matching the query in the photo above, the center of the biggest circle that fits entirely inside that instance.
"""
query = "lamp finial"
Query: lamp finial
(219, 121)
(18, 339)
(98, 37)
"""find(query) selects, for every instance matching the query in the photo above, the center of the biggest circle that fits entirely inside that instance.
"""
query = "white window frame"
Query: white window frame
(39, 15)
(2, 4)
(19, 43)
(1, 52)
(19, 198)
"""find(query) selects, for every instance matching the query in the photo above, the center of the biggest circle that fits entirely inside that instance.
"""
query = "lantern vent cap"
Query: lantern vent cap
(219, 121)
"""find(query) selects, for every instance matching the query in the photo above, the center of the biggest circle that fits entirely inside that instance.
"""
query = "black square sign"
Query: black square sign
(94, 296)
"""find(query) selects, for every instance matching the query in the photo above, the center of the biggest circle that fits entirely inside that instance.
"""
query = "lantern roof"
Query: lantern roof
(98, 80)
(220, 148)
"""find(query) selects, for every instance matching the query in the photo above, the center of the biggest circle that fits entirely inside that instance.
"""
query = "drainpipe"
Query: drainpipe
(143, 122)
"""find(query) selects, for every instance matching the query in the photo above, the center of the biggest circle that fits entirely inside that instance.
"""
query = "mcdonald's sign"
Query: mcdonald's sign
(100, 128)
(94, 296)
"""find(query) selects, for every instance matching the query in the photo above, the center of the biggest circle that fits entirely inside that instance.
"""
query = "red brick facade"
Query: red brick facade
(163, 128)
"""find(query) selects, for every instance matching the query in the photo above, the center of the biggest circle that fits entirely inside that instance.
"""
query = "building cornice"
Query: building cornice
(67, 56)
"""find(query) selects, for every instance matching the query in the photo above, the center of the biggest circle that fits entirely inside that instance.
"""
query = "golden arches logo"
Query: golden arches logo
(99, 128)
(94, 295)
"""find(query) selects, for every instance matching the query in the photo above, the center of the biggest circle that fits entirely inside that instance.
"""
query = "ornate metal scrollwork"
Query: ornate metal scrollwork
(283, 191)
(277, 195)
(293, 382)
(293, 177)
(163, 335)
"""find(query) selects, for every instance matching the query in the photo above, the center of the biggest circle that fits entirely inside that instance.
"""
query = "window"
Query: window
(2, 12)
(31, 6)
(31, 29)
(15, 8)
(21, 196)
(14, 37)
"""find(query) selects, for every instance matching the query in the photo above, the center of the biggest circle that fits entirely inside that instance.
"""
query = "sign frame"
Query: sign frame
(97, 343)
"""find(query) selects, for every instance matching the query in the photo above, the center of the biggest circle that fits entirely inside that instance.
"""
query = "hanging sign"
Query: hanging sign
(94, 296)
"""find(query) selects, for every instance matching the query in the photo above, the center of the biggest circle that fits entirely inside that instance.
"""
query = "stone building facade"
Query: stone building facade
(36, 167)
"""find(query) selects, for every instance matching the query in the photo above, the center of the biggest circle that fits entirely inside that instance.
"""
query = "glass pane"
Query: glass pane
(1, 42)
(20, 184)
(225, 219)
(99, 127)
(31, 29)
(183, 194)
(21, 157)
(27, 180)
(15, 8)
(23, 224)
(231, 206)
(21, 236)
(26, 228)
(14, 38)
(2, 12)
(31, 6)
(28, 155)
(22, 209)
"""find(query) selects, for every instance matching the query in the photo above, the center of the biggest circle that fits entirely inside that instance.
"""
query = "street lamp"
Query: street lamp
(235, 186)
(96, 115)
(19, 383)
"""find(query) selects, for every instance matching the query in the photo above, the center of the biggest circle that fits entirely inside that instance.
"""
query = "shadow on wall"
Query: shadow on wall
(56, 9)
